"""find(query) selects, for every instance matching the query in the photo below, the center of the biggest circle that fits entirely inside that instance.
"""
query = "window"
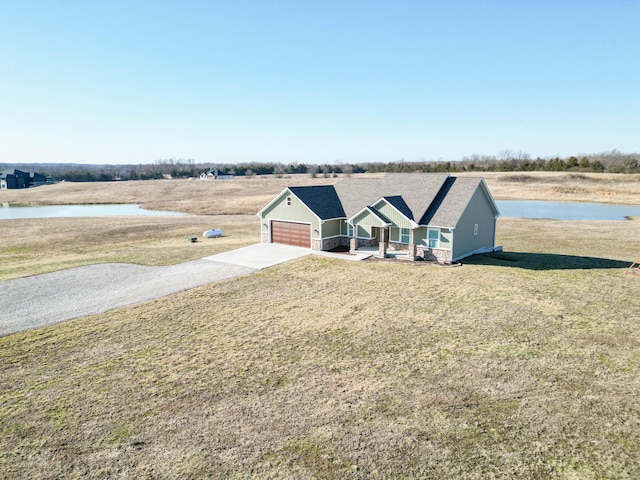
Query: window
(404, 235)
(433, 237)
(475, 229)
(349, 230)
(288, 200)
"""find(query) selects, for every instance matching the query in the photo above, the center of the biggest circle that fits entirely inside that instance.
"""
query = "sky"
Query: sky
(305, 81)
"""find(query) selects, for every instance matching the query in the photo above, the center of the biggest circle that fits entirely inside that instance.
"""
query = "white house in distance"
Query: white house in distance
(216, 174)
(435, 217)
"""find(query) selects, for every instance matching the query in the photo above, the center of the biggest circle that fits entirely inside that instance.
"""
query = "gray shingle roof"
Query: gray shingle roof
(432, 198)
(416, 189)
(451, 201)
(321, 199)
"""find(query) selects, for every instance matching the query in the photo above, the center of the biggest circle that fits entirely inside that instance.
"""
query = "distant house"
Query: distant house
(216, 175)
(14, 178)
(429, 216)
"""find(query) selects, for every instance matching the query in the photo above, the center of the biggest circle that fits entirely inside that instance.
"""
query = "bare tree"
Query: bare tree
(312, 170)
(278, 170)
(505, 154)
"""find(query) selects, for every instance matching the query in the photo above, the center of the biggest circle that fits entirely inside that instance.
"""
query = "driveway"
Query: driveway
(260, 255)
(39, 300)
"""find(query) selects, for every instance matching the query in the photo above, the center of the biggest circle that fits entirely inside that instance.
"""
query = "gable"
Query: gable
(370, 216)
(397, 212)
(454, 198)
(400, 205)
(288, 207)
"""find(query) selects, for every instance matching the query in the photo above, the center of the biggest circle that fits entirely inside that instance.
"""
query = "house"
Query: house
(430, 216)
(14, 178)
(216, 175)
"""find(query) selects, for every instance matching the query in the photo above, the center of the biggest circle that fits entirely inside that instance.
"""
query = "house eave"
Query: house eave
(490, 197)
(279, 196)
(430, 225)
(332, 219)
(274, 200)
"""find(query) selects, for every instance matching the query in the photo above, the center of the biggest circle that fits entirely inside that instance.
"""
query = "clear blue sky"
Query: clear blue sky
(316, 81)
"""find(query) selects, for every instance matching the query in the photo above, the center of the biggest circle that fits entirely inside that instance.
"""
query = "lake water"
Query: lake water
(12, 211)
(508, 208)
(566, 210)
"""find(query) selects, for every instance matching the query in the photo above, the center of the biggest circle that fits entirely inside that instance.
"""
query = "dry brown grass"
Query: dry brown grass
(522, 364)
(507, 367)
(564, 186)
(33, 246)
(245, 196)
(241, 196)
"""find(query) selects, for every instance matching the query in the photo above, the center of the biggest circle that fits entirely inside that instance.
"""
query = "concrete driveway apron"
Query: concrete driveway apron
(260, 255)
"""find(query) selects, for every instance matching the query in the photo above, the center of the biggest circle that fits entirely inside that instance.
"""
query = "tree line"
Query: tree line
(506, 161)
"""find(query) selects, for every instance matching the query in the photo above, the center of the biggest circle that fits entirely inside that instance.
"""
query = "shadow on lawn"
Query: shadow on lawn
(544, 261)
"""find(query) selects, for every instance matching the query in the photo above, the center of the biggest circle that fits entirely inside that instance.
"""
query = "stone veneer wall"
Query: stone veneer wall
(368, 242)
(434, 254)
(334, 242)
(398, 247)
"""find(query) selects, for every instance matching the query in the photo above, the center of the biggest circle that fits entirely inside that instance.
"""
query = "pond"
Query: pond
(566, 210)
(508, 208)
(12, 211)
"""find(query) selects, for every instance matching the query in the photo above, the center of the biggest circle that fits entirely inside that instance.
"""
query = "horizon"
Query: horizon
(316, 83)
(477, 158)
(481, 159)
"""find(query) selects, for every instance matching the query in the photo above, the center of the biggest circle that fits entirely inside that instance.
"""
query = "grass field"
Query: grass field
(521, 364)
(33, 246)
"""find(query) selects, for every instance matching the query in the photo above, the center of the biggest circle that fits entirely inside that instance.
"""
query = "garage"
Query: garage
(290, 233)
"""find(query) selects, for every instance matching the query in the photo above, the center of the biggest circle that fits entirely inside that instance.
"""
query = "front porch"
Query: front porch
(379, 246)
(375, 252)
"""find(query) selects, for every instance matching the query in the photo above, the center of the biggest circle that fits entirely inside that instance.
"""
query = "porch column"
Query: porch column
(353, 242)
(412, 245)
(384, 241)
